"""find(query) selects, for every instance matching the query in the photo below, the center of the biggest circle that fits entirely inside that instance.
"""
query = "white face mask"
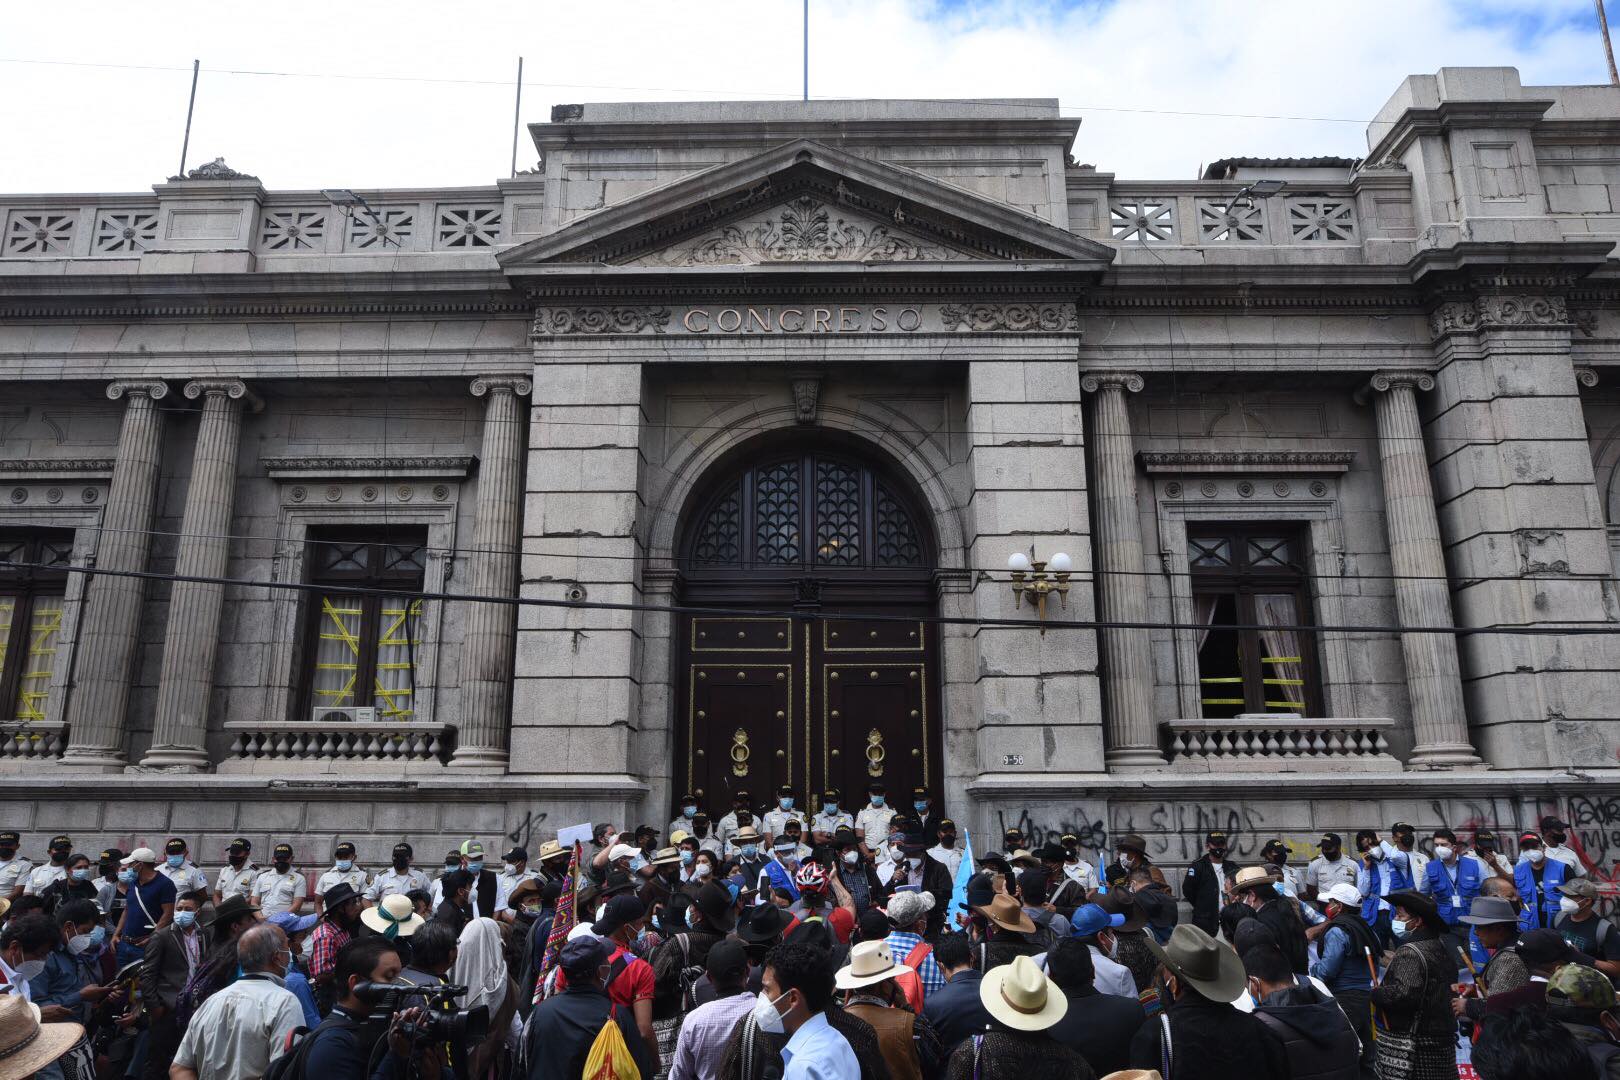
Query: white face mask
(915, 861)
(1535, 855)
(702, 870)
(764, 1013)
(852, 857)
(1568, 906)
(1442, 852)
(30, 969)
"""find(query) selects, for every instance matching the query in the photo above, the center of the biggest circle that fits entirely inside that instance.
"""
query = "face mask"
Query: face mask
(641, 936)
(30, 969)
(702, 870)
(852, 857)
(691, 918)
(915, 861)
(98, 935)
(1568, 906)
(8, 853)
(127, 876)
(282, 867)
(237, 858)
(345, 864)
(829, 808)
(82, 874)
(449, 866)
(750, 850)
(1556, 837)
(637, 863)
(878, 800)
(184, 919)
(176, 861)
(688, 811)
(1279, 858)
(401, 863)
(785, 803)
(1113, 949)
(1443, 852)
(897, 853)
(476, 867)
(79, 943)
(920, 806)
(1535, 855)
(59, 857)
(531, 910)
(947, 840)
(687, 857)
(1398, 927)
(1218, 852)
(306, 949)
(766, 1018)
(1127, 861)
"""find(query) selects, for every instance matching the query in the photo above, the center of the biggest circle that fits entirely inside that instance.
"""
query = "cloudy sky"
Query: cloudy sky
(407, 93)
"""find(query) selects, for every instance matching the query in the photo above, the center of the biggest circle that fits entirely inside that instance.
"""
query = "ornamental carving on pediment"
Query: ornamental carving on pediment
(599, 320)
(1047, 318)
(1491, 312)
(803, 230)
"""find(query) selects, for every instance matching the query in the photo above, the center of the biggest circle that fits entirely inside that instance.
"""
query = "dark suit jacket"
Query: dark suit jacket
(163, 972)
(1100, 1027)
(1202, 889)
(956, 1011)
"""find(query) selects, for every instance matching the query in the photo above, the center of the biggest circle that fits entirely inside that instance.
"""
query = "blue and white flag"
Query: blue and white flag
(964, 874)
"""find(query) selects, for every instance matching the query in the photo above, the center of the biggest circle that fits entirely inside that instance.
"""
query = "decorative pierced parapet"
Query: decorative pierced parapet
(1281, 743)
(1144, 220)
(339, 742)
(37, 740)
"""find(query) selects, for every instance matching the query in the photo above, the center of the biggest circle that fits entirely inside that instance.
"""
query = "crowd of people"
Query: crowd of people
(832, 945)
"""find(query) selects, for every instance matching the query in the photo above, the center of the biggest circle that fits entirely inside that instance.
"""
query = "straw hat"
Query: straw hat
(1249, 877)
(1134, 1074)
(1020, 996)
(394, 917)
(1021, 857)
(1006, 912)
(745, 835)
(869, 962)
(553, 850)
(26, 1045)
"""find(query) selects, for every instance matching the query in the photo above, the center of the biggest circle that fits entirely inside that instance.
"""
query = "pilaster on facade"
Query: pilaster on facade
(1133, 741)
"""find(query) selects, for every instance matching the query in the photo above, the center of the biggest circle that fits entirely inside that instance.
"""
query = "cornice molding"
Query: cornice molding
(1037, 318)
(1297, 462)
(1497, 311)
(338, 468)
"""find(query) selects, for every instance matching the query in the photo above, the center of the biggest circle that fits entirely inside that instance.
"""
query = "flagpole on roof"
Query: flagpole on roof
(1608, 48)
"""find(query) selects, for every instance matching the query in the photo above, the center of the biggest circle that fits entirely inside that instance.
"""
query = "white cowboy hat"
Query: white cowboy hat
(26, 1045)
(869, 963)
(1020, 995)
(395, 913)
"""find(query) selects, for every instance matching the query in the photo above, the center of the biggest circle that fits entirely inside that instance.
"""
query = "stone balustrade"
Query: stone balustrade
(38, 740)
(342, 743)
(1282, 743)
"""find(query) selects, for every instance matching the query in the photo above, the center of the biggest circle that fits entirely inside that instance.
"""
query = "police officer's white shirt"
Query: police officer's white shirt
(1293, 882)
(950, 856)
(505, 883)
(1325, 874)
(354, 876)
(725, 827)
(1080, 871)
(1568, 857)
(682, 824)
(275, 892)
(233, 882)
(829, 823)
(393, 882)
(186, 877)
(776, 820)
(873, 823)
(41, 878)
(14, 873)
(1495, 862)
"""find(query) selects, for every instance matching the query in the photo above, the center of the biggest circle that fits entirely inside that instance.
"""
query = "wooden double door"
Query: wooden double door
(812, 702)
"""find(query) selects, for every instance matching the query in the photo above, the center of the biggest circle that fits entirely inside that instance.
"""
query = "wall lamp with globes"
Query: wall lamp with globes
(1037, 580)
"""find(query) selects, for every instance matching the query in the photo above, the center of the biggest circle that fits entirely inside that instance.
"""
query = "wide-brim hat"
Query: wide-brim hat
(870, 962)
(1249, 877)
(1204, 964)
(1419, 905)
(1006, 912)
(1123, 902)
(1132, 842)
(1022, 857)
(521, 891)
(553, 850)
(393, 917)
(26, 1045)
(665, 857)
(1488, 911)
(233, 908)
(338, 894)
(1020, 996)
(762, 924)
(745, 835)
(715, 905)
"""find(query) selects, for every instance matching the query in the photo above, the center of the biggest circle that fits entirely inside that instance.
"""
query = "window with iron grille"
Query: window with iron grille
(361, 649)
(1249, 587)
(33, 582)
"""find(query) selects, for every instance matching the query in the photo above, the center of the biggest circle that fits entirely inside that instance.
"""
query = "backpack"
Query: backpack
(609, 1057)
(290, 1065)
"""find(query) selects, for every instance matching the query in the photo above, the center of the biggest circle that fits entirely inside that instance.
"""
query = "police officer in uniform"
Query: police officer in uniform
(236, 876)
(41, 878)
(343, 870)
(14, 869)
(398, 879)
(778, 816)
(832, 817)
(280, 888)
(180, 869)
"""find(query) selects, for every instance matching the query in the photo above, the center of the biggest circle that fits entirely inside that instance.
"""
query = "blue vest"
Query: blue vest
(1441, 890)
(1400, 877)
(1369, 903)
(1552, 876)
(1477, 952)
(781, 879)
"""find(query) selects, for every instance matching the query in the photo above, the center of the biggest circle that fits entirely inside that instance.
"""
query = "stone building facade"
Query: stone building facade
(736, 412)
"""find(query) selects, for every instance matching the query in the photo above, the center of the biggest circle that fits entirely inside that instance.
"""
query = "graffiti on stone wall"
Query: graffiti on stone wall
(1595, 837)
(1078, 822)
(524, 832)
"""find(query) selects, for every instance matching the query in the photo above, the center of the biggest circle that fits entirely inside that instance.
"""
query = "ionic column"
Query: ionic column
(192, 638)
(110, 622)
(1122, 588)
(491, 635)
(1434, 681)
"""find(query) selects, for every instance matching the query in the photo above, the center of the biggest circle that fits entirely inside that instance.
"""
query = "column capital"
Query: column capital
(1093, 381)
(1586, 377)
(520, 385)
(155, 389)
(1384, 381)
(235, 389)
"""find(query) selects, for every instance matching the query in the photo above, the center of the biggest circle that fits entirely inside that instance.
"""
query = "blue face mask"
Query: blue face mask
(921, 806)
(97, 936)
(657, 923)
(750, 850)
(687, 857)
(785, 802)
(1398, 927)
(877, 800)
(691, 918)
(476, 867)
(176, 861)
(183, 919)
(345, 864)
(829, 808)
(82, 873)
(127, 876)
(689, 811)
(637, 863)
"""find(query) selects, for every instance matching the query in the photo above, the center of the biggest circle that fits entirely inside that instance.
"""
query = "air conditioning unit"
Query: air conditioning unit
(326, 714)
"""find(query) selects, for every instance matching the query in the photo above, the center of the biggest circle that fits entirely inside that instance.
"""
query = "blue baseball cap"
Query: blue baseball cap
(293, 924)
(1089, 919)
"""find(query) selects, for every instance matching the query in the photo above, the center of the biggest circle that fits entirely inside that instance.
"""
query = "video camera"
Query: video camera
(441, 1020)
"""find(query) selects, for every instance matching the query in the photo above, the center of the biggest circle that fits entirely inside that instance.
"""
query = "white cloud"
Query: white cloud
(94, 129)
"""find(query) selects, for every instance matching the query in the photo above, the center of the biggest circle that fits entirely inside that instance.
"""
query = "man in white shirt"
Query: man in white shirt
(872, 822)
(946, 851)
(1275, 853)
(784, 811)
(1095, 927)
(514, 871)
(43, 877)
(1554, 832)
(236, 876)
(729, 823)
(1329, 868)
(178, 868)
(14, 869)
(796, 985)
(689, 809)
(1487, 851)
(398, 879)
(830, 817)
(280, 888)
(343, 872)
(241, 1029)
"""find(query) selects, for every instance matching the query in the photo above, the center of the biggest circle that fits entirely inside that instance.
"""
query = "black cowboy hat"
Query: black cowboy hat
(762, 924)
(617, 882)
(233, 908)
(1417, 904)
(714, 903)
(341, 893)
